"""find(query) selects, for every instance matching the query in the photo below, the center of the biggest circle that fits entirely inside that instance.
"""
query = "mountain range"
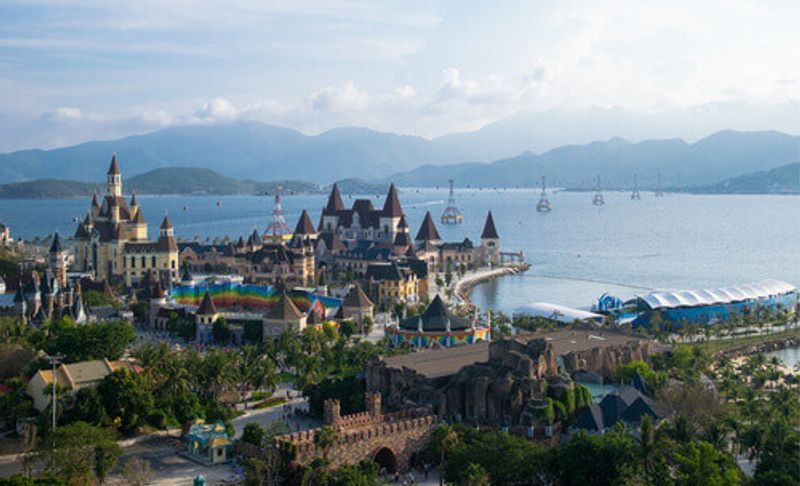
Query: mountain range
(257, 152)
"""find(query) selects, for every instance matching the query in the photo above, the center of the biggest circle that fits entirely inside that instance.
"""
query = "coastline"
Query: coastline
(463, 287)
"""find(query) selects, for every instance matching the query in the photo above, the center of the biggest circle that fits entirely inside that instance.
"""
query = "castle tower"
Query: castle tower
(114, 179)
(373, 404)
(330, 216)
(48, 295)
(427, 231)
(305, 227)
(490, 241)
(207, 312)
(95, 205)
(391, 215)
(134, 206)
(57, 261)
(331, 411)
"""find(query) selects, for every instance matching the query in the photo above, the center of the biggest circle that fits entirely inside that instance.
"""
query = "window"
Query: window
(173, 264)
(153, 262)
(144, 262)
(133, 262)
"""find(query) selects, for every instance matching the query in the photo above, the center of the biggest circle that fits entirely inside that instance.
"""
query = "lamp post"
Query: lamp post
(54, 360)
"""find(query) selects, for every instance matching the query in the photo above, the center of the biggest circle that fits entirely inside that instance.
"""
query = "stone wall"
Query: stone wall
(402, 434)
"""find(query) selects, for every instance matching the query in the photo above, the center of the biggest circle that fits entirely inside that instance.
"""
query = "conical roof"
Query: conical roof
(402, 239)
(55, 247)
(284, 310)
(113, 169)
(139, 217)
(334, 200)
(427, 231)
(207, 307)
(401, 225)
(392, 208)
(133, 198)
(95, 202)
(304, 225)
(489, 231)
(356, 298)
(166, 224)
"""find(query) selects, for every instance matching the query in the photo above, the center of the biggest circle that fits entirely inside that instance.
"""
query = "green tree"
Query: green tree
(87, 407)
(126, 399)
(78, 453)
(253, 434)
(221, 331)
(476, 476)
(445, 439)
(699, 463)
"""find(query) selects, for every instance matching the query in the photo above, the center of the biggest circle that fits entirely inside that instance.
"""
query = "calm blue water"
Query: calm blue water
(790, 357)
(578, 251)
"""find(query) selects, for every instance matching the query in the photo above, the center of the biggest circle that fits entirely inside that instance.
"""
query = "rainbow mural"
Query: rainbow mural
(428, 339)
(248, 296)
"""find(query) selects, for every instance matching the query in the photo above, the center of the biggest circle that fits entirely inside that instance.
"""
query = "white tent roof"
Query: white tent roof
(557, 313)
(661, 299)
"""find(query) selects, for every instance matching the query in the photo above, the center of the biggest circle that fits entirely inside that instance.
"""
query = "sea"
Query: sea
(577, 251)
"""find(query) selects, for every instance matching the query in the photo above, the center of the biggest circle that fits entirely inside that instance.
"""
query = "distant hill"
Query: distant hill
(178, 180)
(47, 189)
(780, 180)
(243, 150)
(681, 164)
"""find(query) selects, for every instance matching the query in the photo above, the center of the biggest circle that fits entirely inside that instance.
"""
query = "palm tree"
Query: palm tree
(647, 443)
(445, 439)
(219, 372)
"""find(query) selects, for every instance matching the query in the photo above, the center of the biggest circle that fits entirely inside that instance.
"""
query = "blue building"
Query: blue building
(708, 306)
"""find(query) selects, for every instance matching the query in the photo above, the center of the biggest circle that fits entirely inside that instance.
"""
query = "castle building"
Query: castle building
(112, 242)
(363, 221)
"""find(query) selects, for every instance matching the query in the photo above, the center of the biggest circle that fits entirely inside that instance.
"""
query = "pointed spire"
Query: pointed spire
(334, 200)
(392, 208)
(207, 307)
(402, 225)
(304, 225)
(166, 225)
(138, 218)
(428, 232)
(95, 202)
(55, 247)
(133, 198)
(489, 231)
(113, 169)
(87, 221)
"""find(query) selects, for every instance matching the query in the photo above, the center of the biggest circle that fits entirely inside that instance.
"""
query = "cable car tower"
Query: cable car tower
(452, 215)
(598, 195)
(277, 229)
(544, 204)
(635, 193)
(659, 192)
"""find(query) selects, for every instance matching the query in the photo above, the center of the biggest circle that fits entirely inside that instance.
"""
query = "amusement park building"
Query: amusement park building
(708, 306)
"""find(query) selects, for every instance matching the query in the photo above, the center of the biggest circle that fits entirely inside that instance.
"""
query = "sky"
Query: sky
(76, 70)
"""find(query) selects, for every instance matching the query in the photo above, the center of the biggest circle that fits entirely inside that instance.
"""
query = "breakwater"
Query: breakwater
(464, 286)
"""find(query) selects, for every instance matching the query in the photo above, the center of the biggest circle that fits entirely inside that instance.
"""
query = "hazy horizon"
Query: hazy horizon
(82, 70)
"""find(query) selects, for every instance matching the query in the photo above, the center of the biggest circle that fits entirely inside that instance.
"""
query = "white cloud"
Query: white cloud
(218, 109)
(338, 99)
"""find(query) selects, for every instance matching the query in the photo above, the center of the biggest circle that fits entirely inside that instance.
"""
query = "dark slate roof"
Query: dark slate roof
(55, 247)
(133, 198)
(591, 418)
(427, 231)
(402, 239)
(462, 245)
(419, 267)
(113, 169)
(207, 307)
(274, 253)
(332, 241)
(435, 319)
(402, 224)
(383, 271)
(284, 310)
(304, 225)
(334, 200)
(95, 202)
(81, 232)
(356, 298)
(489, 231)
(392, 208)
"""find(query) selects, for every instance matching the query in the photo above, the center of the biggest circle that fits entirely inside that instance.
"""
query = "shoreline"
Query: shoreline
(463, 287)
